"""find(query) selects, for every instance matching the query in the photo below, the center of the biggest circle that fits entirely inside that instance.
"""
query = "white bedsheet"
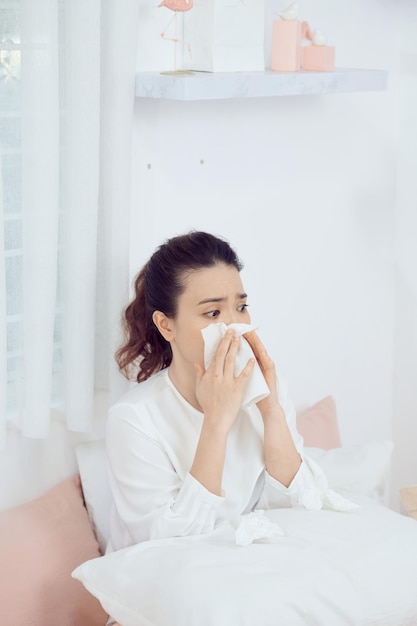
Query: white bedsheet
(327, 569)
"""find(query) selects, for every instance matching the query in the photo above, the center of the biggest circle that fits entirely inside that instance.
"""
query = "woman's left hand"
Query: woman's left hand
(270, 404)
(282, 459)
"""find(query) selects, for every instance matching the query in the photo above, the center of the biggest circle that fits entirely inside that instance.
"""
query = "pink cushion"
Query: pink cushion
(318, 425)
(41, 542)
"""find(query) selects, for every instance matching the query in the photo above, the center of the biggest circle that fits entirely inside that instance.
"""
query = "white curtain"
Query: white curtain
(66, 114)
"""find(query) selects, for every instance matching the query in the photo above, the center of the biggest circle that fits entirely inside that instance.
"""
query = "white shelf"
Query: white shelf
(217, 86)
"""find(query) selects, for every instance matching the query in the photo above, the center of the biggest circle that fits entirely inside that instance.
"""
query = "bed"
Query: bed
(294, 567)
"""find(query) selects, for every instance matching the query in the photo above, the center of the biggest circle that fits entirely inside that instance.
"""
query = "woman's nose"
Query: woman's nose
(232, 317)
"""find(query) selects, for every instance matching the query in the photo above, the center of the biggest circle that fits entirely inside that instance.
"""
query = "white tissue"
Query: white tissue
(318, 38)
(291, 12)
(254, 526)
(256, 388)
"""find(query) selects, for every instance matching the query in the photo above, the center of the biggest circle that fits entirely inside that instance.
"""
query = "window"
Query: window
(11, 209)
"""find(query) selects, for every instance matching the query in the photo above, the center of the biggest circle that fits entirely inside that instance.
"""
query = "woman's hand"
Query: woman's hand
(219, 392)
(270, 404)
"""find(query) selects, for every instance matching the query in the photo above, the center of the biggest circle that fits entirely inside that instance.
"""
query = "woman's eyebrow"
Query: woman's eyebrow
(239, 296)
(208, 300)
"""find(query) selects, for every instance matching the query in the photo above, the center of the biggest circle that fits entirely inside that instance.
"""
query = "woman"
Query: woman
(183, 454)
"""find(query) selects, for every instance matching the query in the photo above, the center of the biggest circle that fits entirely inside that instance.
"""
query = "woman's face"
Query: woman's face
(212, 295)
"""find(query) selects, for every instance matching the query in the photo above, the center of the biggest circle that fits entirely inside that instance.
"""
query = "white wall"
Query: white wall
(405, 330)
(305, 188)
(318, 195)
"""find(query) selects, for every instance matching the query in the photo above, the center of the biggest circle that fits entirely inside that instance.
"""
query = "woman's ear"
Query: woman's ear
(164, 324)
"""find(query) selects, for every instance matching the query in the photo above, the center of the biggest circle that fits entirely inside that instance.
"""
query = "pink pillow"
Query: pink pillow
(41, 542)
(318, 425)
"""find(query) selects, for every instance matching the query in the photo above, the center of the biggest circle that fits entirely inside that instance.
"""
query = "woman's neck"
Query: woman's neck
(183, 380)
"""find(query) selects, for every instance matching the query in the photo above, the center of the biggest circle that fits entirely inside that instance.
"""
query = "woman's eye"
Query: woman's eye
(242, 308)
(214, 313)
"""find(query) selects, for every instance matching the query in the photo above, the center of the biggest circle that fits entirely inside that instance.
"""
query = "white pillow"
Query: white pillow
(92, 467)
(328, 568)
(363, 469)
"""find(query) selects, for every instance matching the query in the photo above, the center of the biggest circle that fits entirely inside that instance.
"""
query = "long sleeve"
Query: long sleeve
(309, 487)
(152, 498)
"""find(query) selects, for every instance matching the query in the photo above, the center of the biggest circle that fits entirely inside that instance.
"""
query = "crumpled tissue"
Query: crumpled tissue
(256, 525)
(256, 388)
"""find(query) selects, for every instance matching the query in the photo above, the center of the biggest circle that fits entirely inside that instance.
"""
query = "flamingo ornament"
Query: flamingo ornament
(178, 6)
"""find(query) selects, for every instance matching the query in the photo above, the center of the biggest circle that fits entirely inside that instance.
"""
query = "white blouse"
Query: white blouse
(151, 438)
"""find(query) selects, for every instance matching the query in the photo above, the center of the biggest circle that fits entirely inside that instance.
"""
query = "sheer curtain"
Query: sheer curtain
(66, 112)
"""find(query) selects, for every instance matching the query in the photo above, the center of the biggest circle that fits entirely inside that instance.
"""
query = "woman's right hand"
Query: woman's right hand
(219, 392)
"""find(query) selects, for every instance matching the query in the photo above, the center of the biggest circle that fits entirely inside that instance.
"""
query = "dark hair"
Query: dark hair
(157, 288)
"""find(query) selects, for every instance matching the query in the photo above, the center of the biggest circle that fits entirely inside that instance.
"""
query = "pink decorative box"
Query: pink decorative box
(318, 58)
(286, 46)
